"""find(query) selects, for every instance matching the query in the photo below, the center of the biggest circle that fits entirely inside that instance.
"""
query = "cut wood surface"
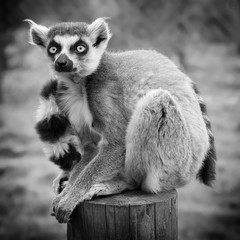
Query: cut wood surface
(130, 215)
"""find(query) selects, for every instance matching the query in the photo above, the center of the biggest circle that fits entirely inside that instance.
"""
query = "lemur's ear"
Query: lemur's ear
(99, 31)
(37, 33)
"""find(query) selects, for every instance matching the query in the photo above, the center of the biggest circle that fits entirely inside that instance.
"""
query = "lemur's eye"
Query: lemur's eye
(81, 48)
(52, 50)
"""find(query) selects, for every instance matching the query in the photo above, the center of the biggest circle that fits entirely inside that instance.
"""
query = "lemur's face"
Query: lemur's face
(69, 53)
(72, 47)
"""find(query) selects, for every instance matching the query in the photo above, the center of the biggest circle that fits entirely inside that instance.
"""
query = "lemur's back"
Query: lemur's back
(141, 70)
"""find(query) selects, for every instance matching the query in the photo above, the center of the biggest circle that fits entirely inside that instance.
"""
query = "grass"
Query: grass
(26, 175)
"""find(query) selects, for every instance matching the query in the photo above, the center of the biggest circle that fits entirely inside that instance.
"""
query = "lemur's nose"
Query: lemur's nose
(63, 64)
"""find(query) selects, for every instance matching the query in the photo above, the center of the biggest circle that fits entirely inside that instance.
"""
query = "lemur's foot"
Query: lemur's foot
(64, 204)
(62, 208)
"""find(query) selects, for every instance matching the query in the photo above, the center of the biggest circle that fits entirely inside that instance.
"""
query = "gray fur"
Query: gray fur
(157, 137)
(68, 28)
(153, 133)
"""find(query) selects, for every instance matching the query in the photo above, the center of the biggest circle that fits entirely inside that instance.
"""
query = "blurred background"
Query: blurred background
(202, 37)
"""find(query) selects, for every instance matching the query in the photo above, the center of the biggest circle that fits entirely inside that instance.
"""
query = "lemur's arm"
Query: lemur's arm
(99, 177)
(103, 174)
(60, 143)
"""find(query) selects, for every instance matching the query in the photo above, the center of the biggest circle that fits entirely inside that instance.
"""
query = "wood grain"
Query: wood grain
(131, 215)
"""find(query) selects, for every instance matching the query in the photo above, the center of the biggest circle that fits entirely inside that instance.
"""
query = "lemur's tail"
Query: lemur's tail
(207, 173)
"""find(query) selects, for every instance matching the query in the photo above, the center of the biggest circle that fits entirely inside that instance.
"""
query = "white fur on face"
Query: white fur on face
(92, 58)
(66, 41)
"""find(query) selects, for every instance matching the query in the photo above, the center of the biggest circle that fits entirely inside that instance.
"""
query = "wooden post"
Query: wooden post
(130, 215)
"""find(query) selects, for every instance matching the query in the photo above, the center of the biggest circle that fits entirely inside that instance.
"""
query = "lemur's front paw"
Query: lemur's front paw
(59, 184)
(62, 208)
(54, 203)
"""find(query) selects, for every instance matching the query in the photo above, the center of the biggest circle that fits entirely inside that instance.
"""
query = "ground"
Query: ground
(26, 175)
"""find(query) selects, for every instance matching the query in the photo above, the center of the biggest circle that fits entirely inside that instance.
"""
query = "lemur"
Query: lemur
(143, 118)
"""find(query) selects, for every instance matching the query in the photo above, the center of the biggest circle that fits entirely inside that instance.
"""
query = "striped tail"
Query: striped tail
(60, 143)
(207, 173)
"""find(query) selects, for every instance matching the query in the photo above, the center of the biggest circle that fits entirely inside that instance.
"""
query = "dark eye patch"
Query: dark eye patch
(80, 42)
(53, 44)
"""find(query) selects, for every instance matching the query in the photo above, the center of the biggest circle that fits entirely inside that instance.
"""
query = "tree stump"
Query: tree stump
(130, 215)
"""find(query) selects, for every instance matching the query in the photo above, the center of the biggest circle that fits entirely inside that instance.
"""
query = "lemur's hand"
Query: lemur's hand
(59, 183)
(64, 204)
(95, 179)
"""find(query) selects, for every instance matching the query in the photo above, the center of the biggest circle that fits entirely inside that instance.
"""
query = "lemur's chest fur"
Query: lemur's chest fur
(73, 102)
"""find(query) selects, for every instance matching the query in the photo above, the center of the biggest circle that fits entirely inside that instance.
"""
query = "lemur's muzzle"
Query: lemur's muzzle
(63, 64)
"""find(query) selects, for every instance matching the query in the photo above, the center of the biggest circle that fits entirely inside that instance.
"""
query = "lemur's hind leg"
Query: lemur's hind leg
(158, 144)
(108, 188)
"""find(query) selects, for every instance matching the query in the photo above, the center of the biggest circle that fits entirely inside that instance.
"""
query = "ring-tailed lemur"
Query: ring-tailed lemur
(153, 124)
